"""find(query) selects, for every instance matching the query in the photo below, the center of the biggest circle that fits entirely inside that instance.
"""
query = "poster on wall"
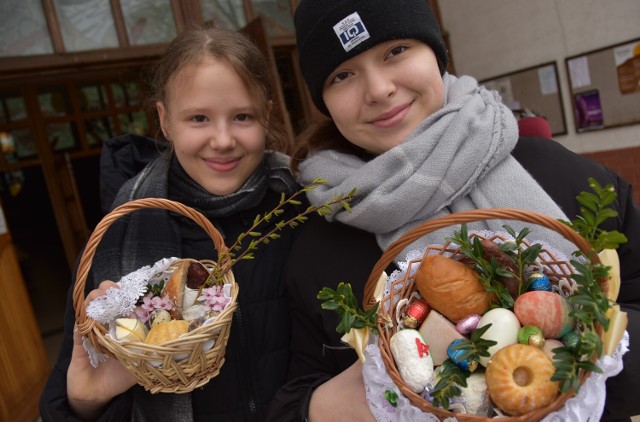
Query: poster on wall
(588, 111)
(627, 59)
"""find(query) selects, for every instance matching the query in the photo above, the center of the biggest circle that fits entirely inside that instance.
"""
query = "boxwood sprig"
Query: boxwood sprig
(344, 302)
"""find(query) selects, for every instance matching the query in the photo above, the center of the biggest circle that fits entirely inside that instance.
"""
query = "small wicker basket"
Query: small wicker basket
(158, 368)
(559, 273)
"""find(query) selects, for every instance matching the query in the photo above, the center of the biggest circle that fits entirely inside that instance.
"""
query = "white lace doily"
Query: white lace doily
(122, 301)
(118, 302)
(587, 405)
(416, 255)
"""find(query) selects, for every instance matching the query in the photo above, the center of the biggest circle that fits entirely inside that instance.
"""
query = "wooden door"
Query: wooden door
(24, 366)
(256, 31)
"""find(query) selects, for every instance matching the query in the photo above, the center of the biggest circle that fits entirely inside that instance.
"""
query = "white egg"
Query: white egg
(504, 330)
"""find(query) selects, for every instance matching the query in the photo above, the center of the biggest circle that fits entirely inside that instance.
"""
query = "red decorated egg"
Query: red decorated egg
(416, 313)
(546, 310)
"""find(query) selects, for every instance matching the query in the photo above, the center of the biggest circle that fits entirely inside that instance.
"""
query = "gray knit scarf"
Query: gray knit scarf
(457, 159)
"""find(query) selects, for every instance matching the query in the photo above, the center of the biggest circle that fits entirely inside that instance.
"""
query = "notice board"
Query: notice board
(605, 86)
(534, 89)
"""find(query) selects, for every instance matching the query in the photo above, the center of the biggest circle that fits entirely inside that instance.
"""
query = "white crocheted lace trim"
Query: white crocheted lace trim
(121, 302)
(587, 405)
(416, 255)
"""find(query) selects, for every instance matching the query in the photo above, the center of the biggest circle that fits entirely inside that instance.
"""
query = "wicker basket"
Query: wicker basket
(559, 272)
(159, 368)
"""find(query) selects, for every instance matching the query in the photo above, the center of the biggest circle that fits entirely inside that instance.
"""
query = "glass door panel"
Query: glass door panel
(12, 108)
(135, 123)
(277, 14)
(62, 136)
(54, 102)
(24, 30)
(98, 130)
(86, 24)
(93, 97)
(148, 21)
(126, 93)
(24, 143)
(228, 13)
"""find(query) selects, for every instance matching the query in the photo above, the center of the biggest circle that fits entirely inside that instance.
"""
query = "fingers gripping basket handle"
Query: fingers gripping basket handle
(85, 324)
(468, 217)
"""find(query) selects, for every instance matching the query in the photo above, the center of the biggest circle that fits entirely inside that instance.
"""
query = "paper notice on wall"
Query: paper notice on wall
(3, 223)
(579, 72)
(548, 81)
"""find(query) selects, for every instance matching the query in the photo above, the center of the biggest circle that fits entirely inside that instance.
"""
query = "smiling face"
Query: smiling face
(378, 97)
(213, 123)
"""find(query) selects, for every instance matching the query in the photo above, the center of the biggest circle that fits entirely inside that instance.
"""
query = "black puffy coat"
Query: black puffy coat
(257, 353)
(325, 254)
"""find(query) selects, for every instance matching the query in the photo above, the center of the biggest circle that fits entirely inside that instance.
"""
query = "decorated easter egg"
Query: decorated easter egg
(504, 330)
(549, 345)
(539, 281)
(416, 313)
(546, 310)
(413, 359)
(531, 335)
(467, 324)
(456, 356)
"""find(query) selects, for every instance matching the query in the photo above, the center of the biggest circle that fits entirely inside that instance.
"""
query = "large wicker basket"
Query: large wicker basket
(559, 272)
(160, 368)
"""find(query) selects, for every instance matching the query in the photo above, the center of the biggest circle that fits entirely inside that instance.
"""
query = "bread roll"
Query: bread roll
(175, 289)
(452, 288)
(189, 276)
(166, 331)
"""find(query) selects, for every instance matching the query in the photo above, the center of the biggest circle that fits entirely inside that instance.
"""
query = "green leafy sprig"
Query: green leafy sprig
(589, 303)
(594, 210)
(491, 270)
(452, 377)
(570, 361)
(522, 256)
(344, 302)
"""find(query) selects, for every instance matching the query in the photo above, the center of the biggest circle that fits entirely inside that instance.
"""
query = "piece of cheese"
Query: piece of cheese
(438, 332)
(610, 258)
(617, 324)
(130, 329)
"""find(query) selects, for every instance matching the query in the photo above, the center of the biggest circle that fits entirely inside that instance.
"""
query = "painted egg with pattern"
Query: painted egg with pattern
(546, 310)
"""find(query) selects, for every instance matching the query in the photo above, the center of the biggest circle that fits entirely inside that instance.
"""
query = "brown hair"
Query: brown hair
(195, 44)
(320, 135)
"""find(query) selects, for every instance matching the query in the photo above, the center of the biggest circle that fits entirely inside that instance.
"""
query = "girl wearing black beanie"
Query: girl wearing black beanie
(417, 143)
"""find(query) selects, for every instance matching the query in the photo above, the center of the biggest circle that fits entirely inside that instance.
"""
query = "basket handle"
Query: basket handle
(86, 324)
(468, 217)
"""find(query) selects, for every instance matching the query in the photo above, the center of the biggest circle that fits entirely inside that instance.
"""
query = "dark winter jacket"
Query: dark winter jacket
(325, 254)
(257, 353)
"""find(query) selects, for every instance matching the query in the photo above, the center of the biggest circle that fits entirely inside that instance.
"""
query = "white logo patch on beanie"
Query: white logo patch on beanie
(351, 31)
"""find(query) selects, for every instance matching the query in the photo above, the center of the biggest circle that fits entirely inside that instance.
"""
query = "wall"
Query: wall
(493, 37)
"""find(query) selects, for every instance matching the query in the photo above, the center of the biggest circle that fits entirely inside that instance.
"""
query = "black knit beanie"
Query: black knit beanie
(328, 32)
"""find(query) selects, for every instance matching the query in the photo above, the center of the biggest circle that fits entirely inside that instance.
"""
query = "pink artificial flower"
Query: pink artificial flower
(214, 298)
(151, 303)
